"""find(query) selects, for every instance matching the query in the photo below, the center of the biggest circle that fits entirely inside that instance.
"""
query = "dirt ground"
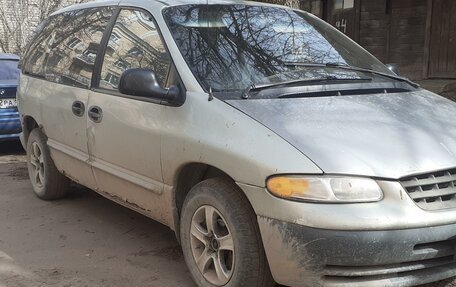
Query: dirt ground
(83, 240)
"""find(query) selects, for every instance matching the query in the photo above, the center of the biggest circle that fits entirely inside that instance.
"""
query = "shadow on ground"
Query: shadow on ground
(11, 148)
(11, 151)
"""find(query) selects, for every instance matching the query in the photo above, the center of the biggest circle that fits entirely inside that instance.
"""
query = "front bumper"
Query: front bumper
(10, 125)
(392, 242)
(304, 256)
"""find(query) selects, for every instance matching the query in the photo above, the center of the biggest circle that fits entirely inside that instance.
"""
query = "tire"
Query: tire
(48, 183)
(230, 252)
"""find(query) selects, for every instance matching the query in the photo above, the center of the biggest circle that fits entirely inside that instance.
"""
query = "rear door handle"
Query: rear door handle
(95, 114)
(78, 108)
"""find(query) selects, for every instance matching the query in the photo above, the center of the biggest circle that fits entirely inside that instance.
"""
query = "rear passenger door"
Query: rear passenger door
(65, 61)
(124, 132)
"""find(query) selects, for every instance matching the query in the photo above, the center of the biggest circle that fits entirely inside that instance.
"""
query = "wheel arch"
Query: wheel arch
(28, 124)
(187, 177)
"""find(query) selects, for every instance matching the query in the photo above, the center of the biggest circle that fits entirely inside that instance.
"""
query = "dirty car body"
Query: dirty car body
(10, 125)
(349, 168)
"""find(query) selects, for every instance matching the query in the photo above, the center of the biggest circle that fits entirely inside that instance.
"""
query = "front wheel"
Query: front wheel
(48, 183)
(220, 237)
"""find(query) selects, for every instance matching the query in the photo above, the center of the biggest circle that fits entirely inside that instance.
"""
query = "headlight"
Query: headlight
(326, 189)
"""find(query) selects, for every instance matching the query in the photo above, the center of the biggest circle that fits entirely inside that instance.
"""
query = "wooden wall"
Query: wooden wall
(394, 31)
(374, 28)
(442, 40)
(407, 37)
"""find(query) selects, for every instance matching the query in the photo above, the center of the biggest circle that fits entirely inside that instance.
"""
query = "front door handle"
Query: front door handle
(95, 114)
(78, 108)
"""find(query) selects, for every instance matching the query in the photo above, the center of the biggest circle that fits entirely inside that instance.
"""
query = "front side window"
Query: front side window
(232, 47)
(135, 43)
(74, 45)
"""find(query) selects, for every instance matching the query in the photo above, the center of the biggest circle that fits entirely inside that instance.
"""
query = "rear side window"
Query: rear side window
(135, 42)
(9, 70)
(73, 46)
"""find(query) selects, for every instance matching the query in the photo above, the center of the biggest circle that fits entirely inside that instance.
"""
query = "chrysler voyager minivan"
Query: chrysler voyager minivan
(276, 148)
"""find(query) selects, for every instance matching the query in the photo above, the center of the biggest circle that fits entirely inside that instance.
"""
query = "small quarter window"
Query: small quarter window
(37, 51)
(134, 43)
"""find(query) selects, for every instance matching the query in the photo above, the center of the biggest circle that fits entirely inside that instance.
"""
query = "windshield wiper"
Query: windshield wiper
(353, 68)
(255, 88)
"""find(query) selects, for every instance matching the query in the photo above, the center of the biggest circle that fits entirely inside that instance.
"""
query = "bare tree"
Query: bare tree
(19, 18)
(293, 3)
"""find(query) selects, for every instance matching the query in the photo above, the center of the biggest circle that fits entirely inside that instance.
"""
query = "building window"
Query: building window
(73, 43)
(112, 80)
(135, 52)
(122, 64)
(344, 4)
(114, 38)
(54, 60)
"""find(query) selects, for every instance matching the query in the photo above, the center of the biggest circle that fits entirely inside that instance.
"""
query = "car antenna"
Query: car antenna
(211, 93)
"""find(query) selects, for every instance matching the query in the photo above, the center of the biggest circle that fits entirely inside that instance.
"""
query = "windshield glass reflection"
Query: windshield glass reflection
(229, 47)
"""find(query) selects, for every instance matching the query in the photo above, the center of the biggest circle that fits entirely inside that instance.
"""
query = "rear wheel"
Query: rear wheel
(220, 237)
(48, 183)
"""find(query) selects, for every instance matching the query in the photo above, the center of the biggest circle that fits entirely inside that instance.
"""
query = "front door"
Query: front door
(124, 132)
(442, 62)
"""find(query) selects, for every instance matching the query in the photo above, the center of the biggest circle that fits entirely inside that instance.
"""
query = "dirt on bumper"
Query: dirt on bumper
(304, 256)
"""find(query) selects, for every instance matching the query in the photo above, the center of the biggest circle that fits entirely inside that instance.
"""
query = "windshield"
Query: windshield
(231, 47)
(9, 70)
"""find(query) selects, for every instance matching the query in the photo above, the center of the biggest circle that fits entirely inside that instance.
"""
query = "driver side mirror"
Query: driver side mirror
(393, 68)
(144, 84)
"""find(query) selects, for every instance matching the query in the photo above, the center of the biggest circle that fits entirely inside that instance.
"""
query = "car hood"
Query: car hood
(381, 135)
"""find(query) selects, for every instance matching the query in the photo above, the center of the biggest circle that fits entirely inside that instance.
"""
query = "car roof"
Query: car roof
(98, 3)
(9, 57)
(210, 2)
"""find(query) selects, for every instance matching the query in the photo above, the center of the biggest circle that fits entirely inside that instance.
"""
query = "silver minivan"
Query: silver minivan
(276, 148)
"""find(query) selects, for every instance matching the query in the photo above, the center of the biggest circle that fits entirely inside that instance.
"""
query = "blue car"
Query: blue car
(10, 126)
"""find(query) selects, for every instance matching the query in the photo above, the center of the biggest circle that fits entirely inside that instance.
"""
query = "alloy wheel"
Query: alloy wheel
(212, 245)
(37, 165)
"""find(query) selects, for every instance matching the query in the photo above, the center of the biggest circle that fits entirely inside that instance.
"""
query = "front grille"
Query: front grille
(432, 191)
(8, 93)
